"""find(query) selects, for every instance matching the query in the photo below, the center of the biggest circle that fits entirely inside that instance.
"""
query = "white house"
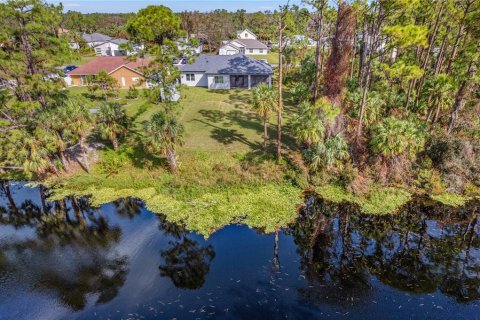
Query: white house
(113, 48)
(243, 46)
(185, 45)
(94, 39)
(300, 39)
(226, 72)
(246, 34)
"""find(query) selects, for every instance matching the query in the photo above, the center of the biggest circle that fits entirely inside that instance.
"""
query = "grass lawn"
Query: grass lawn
(224, 174)
(271, 57)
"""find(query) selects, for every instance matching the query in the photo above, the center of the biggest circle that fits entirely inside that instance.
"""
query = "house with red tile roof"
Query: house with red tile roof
(127, 73)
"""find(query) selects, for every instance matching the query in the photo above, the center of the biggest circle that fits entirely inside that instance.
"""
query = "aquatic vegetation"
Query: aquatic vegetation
(451, 199)
(379, 200)
(205, 210)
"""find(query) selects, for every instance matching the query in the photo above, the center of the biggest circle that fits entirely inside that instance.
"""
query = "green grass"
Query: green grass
(271, 57)
(224, 174)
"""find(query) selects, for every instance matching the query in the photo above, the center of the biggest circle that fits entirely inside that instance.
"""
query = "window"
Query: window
(250, 50)
(190, 77)
(218, 79)
(136, 79)
(260, 50)
(98, 50)
(246, 35)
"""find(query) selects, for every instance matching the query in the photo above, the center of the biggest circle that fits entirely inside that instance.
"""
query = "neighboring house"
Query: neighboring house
(185, 45)
(246, 34)
(110, 48)
(94, 39)
(226, 72)
(127, 73)
(243, 46)
(299, 39)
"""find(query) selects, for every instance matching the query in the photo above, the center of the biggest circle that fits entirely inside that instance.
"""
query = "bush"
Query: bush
(132, 93)
(456, 158)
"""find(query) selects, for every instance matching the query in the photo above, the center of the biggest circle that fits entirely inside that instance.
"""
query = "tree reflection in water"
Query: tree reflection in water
(186, 262)
(70, 235)
(421, 249)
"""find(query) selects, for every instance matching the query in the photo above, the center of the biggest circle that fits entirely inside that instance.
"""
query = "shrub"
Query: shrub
(132, 93)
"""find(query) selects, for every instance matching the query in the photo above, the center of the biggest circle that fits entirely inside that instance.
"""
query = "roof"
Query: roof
(108, 64)
(251, 43)
(95, 37)
(232, 64)
(119, 41)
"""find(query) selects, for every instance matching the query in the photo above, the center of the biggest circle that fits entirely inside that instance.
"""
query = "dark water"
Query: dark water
(66, 260)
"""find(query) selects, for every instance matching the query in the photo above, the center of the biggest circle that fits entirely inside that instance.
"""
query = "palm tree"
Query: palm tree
(307, 126)
(162, 135)
(114, 122)
(264, 103)
(81, 123)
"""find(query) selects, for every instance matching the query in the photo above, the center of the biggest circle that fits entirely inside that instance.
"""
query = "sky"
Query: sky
(116, 6)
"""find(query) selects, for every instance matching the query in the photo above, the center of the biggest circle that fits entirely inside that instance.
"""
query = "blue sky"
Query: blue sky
(88, 6)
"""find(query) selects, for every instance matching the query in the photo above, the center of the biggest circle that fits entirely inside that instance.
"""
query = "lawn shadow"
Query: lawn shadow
(239, 99)
(228, 136)
(142, 159)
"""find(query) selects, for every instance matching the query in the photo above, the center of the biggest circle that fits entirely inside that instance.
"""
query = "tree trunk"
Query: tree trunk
(438, 66)
(461, 29)
(115, 142)
(362, 53)
(318, 52)
(265, 132)
(84, 154)
(463, 93)
(5, 187)
(370, 48)
(427, 55)
(172, 160)
(280, 91)
(64, 160)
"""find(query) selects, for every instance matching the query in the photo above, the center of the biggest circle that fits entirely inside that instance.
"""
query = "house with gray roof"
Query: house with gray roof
(94, 39)
(243, 46)
(226, 72)
(114, 48)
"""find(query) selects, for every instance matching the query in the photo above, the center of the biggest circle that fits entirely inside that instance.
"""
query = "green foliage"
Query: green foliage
(329, 154)
(451, 199)
(384, 200)
(113, 122)
(154, 24)
(306, 126)
(264, 100)
(327, 110)
(132, 93)
(407, 35)
(394, 137)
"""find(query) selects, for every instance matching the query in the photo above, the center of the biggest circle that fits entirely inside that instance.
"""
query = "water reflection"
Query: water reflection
(332, 257)
(421, 249)
(186, 262)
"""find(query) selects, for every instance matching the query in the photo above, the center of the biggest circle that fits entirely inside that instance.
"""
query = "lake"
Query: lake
(67, 260)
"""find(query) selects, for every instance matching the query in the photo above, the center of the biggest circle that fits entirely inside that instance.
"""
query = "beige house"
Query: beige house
(127, 73)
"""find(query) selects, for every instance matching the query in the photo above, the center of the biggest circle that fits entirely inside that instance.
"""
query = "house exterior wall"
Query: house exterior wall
(127, 78)
(108, 49)
(256, 51)
(246, 34)
(213, 85)
(228, 50)
(76, 81)
(201, 79)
